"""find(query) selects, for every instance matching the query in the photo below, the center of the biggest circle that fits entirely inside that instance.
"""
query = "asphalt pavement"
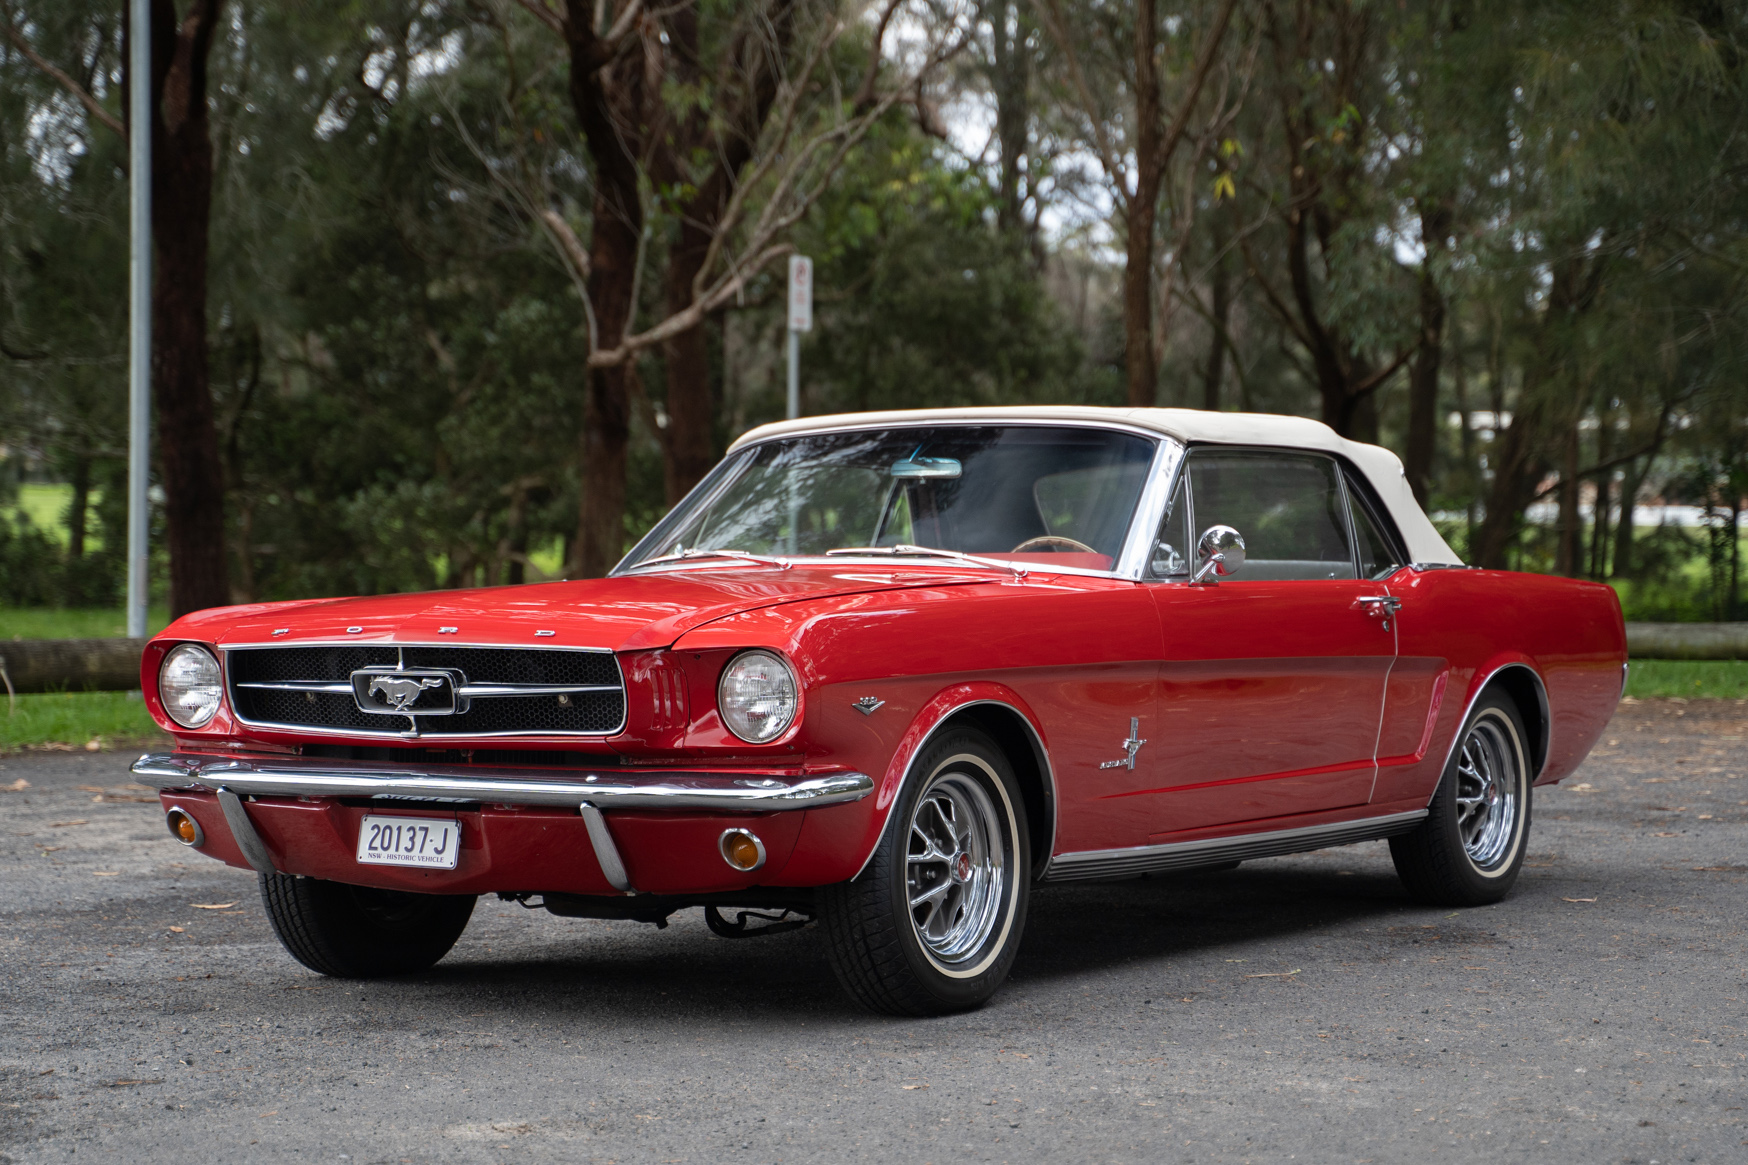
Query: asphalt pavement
(1293, 1009)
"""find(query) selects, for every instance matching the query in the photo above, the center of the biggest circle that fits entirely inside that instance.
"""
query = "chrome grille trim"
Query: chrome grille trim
(465, 691)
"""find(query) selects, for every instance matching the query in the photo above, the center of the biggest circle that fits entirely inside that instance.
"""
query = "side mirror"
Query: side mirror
(1219, 553)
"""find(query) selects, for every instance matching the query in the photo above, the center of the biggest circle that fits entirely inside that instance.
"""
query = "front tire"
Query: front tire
(355, 932)
(1470, 848)
(933, 922)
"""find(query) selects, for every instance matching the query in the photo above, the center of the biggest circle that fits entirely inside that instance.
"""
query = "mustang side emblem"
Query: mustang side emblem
(401, 694)
(1130, 746)
(868, 705)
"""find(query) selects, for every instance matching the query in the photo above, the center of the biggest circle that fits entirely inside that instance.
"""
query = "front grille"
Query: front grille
(592, 713)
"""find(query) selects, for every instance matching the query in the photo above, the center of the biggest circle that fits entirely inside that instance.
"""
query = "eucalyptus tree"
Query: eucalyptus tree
(83, 48)
(1134, 79)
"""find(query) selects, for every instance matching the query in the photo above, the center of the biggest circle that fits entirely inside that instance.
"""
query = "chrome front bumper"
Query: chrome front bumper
(298, 777)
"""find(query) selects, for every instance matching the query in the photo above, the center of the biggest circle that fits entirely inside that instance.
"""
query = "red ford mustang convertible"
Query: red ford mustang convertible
(889, 671)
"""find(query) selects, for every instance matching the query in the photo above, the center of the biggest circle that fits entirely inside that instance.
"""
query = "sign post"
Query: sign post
(800, 320)
(139, 370)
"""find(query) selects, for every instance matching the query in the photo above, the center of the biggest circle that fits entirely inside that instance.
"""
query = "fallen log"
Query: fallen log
(1687, 640)
(72, 665)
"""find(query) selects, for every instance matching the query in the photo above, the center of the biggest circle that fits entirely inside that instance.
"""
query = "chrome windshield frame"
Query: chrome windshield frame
(1131, 560)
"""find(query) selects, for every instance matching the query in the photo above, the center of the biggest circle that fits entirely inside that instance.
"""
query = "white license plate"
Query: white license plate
(428, 842)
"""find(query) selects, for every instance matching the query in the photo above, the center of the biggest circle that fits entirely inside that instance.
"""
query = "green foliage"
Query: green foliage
(928, 304)
(398, 356)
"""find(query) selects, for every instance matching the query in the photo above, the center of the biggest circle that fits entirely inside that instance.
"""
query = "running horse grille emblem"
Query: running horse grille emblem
(408, 692)
(402, 694)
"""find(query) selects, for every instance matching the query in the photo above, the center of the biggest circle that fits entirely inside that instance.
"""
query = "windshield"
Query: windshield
(1021, 493)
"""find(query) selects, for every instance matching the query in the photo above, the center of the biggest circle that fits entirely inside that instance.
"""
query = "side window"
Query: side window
(1288, 508)
(1171, 545)
(1378, 558)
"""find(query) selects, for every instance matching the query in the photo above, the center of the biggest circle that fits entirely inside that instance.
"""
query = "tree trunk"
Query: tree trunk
(78, 508)
(1010, 29)
(1604, 499)
(1514, 460)
(726, 130)
(607, 408)
(690, 444)
(607, 97)
(1568, 545)
(1141, 372)
(1631, 478)
(1220, 293)
(188, 455)
(1423, 372)
(1470, 479)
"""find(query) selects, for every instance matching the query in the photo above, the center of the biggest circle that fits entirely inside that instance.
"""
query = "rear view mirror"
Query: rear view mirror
(918, 467)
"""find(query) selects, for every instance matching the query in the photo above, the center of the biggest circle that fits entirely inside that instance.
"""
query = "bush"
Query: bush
(35, 571)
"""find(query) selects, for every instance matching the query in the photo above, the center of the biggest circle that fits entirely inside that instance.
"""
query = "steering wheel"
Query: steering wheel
(1053, 542)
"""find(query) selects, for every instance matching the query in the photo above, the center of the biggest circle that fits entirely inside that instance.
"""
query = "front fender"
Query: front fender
(837, 843)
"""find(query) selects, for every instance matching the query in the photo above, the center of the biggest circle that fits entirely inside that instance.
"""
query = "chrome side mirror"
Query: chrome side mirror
(1220, 553)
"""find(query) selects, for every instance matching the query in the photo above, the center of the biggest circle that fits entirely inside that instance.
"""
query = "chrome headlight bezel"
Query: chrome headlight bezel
(207, 680)
(737, 705)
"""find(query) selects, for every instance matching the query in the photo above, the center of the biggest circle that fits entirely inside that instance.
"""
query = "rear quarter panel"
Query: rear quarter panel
(1458, 628)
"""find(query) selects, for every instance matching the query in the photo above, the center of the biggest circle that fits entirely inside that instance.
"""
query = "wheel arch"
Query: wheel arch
(1019, 741)
(1004, 718)
(1523, 686)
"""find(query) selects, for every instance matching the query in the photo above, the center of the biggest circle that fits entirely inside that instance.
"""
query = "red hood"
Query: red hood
(626, 613)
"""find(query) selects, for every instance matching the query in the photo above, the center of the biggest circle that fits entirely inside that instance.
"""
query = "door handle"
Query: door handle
(1381, 606)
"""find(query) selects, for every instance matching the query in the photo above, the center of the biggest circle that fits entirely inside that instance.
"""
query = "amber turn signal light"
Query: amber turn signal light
(184, 828)
(742, 849)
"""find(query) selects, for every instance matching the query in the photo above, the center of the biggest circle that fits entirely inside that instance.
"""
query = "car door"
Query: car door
(1272, 681)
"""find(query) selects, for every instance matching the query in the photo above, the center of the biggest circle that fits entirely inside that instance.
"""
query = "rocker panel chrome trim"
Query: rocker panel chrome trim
(293, 777)
(1090, 865)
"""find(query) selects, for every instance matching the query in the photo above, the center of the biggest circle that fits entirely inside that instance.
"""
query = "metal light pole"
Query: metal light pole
(139, 372)
(800, 320)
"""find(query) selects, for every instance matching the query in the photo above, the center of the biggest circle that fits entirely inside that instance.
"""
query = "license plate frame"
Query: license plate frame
(421, 843)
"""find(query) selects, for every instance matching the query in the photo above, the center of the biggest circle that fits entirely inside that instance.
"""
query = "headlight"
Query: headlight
(757, 696)
(188, 683)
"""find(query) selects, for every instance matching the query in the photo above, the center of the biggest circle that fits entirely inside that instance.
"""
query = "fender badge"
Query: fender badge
(868, 705)
(1130, 746)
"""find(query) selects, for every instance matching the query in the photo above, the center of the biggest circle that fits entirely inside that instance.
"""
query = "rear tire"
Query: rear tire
(1470, 848)
(933, 922)
(354, 932)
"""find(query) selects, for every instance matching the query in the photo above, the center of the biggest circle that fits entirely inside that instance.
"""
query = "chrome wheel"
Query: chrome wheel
(954, 867)
(1487, 793)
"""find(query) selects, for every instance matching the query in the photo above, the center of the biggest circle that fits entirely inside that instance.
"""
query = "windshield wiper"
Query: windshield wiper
(741, 555)
(932, 552)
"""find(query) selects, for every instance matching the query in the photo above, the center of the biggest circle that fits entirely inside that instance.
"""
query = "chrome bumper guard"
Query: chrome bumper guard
(297, 777)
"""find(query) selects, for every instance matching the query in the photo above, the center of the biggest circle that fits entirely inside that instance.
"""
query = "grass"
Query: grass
(72, 622)
(45, 505)
(76, 719)
(1696, 679)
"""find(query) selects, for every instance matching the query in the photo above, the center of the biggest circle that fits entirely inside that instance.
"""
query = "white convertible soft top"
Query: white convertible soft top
(1382, 468)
